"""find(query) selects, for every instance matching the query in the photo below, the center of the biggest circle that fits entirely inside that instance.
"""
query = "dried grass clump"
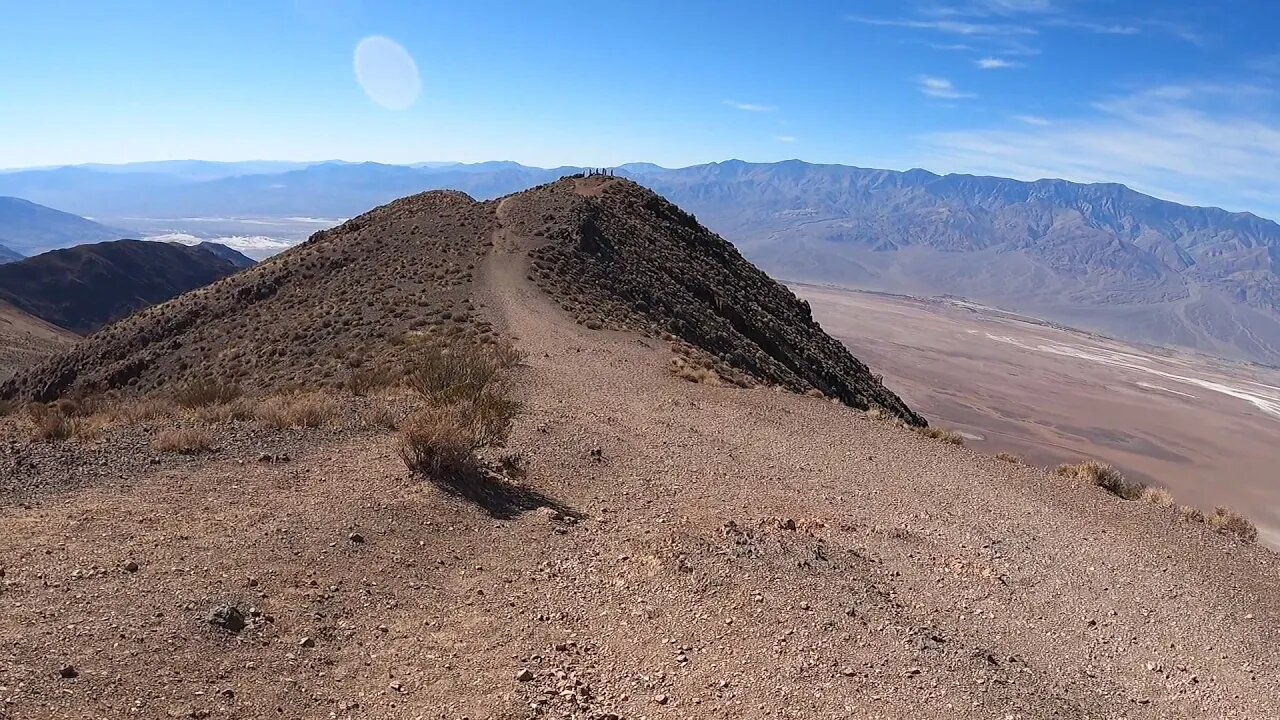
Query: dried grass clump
(299, 410)
(1191, 514)
(50, 423)
(205, 392)
(815, 393)
(1229, 522)
(1009, 458)
(682, 368)
(444, 377)
(379, 416)
(443, 439)
(363, 382)
(183, 441)
(947, 436)
(1092, 472)
(240, 409)
(141, 410)
(1157, 496)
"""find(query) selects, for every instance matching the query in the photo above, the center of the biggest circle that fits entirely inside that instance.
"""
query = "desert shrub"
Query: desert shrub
(1191, 514)
(205, 392)
(1156, 496)
(1009, 458)
(49, 424)
(141, 410)
(366, 380)
(184, 441)
(682, 368)
(444, 377)
(1104, 476)
(815, 393)
(506, 355)
(379, 416)
(947, 436)
(298, 410)
(241, 409)
(443, 439)
(1229, 522)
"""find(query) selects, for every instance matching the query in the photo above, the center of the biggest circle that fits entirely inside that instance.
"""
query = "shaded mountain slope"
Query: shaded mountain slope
(366, 290)
(29, 229)
(85, 287)
(7, 255)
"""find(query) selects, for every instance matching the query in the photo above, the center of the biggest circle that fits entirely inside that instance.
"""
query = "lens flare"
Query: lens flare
(387, 73)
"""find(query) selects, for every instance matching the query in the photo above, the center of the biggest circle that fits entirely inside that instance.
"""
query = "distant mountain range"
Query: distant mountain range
(27, 229)
(83, 288)
(7, 255)
(1098, 256)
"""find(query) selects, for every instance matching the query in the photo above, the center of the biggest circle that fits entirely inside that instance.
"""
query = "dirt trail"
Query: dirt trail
(719, 553)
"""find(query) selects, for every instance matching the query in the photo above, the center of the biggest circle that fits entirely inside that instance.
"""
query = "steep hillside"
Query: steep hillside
(640, 546)
(85, 287)
(29, 229)
(7, 255)
(25, 339)
(356, 294)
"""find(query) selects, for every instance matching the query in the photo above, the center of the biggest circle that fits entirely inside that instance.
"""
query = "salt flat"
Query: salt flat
(1204, 428)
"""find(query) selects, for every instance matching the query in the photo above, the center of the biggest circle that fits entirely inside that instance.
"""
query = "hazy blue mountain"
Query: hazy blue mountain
(1097, 256)
(27, 228)
(7, 255)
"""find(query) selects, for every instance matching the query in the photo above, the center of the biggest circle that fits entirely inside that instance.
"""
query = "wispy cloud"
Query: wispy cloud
(1032, 120)
(992, 63)
(785, 138)
(941, 88)
(1094, 27)
(1206, 143)
(749, 107)
(952, 27)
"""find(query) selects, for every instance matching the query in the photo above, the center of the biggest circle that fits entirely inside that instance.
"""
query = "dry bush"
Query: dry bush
(300, 410)
(1229, 522)
(1157, 496)
(184, 441)
(49, 424)
(815, 393)
(1009, 458)
(141, 410)
(362, 382)
(1191, 514)
(947, 436)
(876, 413)
(444, 377)
(205, 392)
(240, 409)
(682, 368)
(379, 416)
(443, 439)
(507, 355)
(1092, 472)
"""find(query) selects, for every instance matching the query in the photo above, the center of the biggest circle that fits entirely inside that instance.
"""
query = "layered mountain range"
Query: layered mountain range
(1099, 256)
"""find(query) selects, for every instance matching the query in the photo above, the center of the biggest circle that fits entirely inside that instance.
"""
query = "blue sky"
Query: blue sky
(1174, 98)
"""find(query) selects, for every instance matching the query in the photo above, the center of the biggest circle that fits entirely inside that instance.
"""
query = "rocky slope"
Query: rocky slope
(364, 291)
(25, 339)
(676, 550)
(85, 287)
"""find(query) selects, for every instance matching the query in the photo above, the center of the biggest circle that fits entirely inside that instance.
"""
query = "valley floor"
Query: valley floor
(678, 551)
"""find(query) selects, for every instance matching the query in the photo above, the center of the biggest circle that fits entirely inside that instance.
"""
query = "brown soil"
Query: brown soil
(25, 339)
(678, 550)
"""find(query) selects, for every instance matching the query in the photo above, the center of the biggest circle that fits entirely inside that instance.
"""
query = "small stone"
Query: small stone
(131, 566)
(227, 617)
(356, 537)
(68, 672)
(524, 675)
(661, 699)
(307, 642)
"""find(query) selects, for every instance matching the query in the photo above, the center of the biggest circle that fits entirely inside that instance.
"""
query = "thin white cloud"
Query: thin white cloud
(1094, 27)
(1202, 143)
(785, 138)
(941, 88)
(992, 63)
(952, 27)
(749, 107)
(1032, 120)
